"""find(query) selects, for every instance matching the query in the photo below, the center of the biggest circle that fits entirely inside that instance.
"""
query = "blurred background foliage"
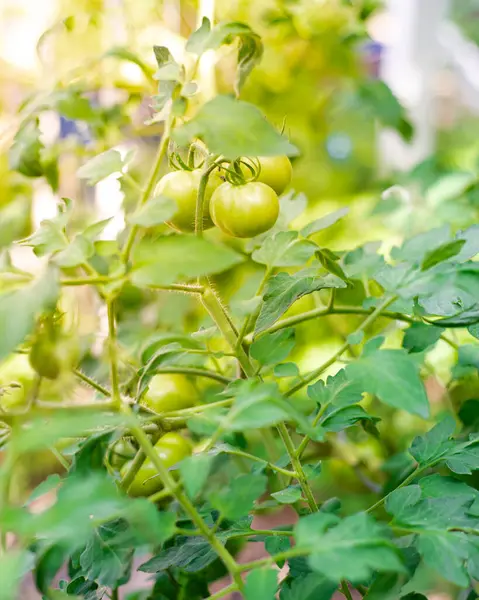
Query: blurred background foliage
(85, 66)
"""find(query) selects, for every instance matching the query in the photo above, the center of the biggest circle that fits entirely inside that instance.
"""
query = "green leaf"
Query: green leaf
(284, 249)
(420, 336)
(108, 554)
(48, 563)
(471, 246)
(474, 329)
(441, 253)
(156, 211)
(283, 290)
(14, 565)
(49, 237)
(393, 377)
(337, 419)
(25, 153)
(286, 370)
(167, 259)
(237, 499)
(464, 318)
(192, 554)
(354, 549)
(324, 222)
(101, 166)
(233, 128)
(250, 47)
(198, 40)
(309, 587)
(448, 187)
(338, 390)
(19, 309)
(437, 446)
(125, 54)
(75, 254)
(49, 484)
(329, 260)
(194, 472)
(261, 584)
(289, 495)
(255, 405)
(168, 68)
(378, 98)
(44, 432)
(272, 348)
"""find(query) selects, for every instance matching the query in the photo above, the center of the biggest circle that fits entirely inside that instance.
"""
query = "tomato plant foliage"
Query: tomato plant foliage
(262, 425)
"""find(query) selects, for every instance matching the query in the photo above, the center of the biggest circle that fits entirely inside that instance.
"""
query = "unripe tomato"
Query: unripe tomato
(168, 392)
(276, 171)
(182, 187)
(122, 452)
(16, 381)
(50, 357)
(171, 449)
(244, 210)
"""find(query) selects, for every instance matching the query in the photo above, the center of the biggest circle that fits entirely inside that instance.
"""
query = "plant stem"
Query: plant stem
(112, 349)
(98, 280)
(297, 466)
(251, 318)
(317, 372)
(215, 309)
(209, 167)
(153, 176)
(226, 590)
(346, 310)
(417, 471)
(170, 485)
(305, 441)
(271, 560)
(196, 372)
(179, 287)
(345, 590)
(92, 383)
(115, 594)
(267, 463)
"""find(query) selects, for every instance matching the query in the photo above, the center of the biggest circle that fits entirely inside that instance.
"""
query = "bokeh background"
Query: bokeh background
(381, 97)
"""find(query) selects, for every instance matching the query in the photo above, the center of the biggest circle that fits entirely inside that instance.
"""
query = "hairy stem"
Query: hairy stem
(112, 349)
(150, 183)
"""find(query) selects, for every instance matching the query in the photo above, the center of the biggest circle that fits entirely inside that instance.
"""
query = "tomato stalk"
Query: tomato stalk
(145, 195)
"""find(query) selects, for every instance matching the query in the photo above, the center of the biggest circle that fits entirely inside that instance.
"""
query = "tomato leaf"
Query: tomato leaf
(155, 212)
(308, 587)
(194, 472)
(101, 166)
(354, 548)
(233, 128)
(324, 222)
(392, 376)
(272, 348)
(284, 249)
(19, 309)
(441, 253)
(283, 290)
(261, 584)
(237, 499)
(289, 495)
(167, 259)
(420, 336)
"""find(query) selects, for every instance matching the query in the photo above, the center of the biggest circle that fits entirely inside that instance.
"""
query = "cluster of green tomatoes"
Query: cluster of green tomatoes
(241, 200)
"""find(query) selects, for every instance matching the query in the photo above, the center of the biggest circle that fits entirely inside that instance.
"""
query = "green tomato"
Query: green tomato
(276, 171)
(122, 452)
(16, 381)
(244, 211)
(182, 187)
(171, 449)
(50, 357)
(168, 392)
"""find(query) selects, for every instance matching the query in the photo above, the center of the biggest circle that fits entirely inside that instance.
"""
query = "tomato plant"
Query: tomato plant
(180, 434)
